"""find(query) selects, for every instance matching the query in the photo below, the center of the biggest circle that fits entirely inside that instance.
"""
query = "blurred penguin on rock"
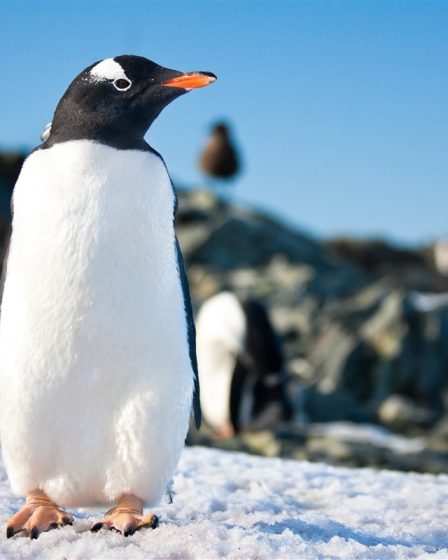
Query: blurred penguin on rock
(241, 366)
(219, 159)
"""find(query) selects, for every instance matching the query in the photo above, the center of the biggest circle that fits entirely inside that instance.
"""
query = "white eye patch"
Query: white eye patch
(109, 70)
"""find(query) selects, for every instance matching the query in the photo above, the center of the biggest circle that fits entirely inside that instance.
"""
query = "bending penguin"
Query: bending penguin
(241, 366)
(97, 345)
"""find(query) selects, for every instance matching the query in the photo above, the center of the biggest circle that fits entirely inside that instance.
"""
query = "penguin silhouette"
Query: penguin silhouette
(219, 159)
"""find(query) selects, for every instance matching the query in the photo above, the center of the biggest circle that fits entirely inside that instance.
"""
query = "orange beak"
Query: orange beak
(191, 80)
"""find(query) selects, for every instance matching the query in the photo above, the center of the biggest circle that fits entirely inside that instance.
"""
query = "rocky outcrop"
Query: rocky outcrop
(358, 330)
(415, 269)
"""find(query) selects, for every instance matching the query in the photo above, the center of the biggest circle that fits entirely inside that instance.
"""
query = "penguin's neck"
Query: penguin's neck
(108, 137)
(113, 129)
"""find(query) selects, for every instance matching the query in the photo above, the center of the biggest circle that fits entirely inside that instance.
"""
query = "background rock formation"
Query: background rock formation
(366, 336)
(364, 325)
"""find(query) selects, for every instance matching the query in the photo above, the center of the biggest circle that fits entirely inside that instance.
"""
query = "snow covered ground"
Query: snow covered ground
(232, 505)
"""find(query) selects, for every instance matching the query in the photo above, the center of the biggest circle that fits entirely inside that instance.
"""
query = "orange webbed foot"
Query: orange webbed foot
(127, 517)
(38, 515)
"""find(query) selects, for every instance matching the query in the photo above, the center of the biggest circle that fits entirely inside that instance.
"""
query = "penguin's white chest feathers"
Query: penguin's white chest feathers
(93, 333)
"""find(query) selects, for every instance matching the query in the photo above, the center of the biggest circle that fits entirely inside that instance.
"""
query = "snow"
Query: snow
(236, 506)
(368, 433)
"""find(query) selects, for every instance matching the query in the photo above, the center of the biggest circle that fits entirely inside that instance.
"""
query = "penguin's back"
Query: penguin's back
(93, 335)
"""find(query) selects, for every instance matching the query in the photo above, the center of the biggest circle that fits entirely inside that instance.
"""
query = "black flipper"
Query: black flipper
(191, 336)
(191, 331)
(4, 265)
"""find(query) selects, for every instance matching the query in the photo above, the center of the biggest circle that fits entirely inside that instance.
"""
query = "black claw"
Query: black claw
(67, 521)
(95, 528)
(34, 533)
(9, 532)
(128, 530)
(154, 522)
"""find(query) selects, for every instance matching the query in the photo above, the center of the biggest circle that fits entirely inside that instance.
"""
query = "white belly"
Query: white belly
(96, 381)
(221, 333)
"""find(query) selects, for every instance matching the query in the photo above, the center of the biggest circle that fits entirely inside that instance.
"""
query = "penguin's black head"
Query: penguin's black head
(116, 100)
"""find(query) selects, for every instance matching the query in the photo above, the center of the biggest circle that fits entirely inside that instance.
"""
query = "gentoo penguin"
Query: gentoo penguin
(97, 351)
(219, 158)
(241, 366)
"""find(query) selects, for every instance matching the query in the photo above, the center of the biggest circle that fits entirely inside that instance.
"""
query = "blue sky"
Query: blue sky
(340, 108)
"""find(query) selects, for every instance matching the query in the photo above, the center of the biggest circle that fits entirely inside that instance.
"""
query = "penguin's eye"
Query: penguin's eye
(122, 84)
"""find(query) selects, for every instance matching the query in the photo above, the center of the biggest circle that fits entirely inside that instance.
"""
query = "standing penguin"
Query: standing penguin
(219, 158)
(97, 345)
(241, 366)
